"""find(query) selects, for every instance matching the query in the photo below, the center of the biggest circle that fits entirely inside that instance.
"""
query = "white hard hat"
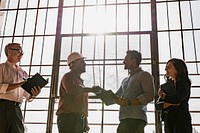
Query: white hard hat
(74, 56)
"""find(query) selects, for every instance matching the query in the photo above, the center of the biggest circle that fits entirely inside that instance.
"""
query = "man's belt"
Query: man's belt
(11, 102)
(76, 114)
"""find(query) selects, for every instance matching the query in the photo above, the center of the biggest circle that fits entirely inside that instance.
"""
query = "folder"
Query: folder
(35, 80)
(108, 97)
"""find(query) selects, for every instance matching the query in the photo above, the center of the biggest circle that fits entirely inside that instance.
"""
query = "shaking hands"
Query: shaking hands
(97, 89)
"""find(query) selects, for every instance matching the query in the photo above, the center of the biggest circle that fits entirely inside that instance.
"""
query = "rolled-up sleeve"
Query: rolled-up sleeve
(70, 86)
(147, 84)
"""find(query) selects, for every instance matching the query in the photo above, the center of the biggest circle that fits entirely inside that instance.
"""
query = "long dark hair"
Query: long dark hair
(181, 68)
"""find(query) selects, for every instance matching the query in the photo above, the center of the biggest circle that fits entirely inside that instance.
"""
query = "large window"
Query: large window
(102, 30)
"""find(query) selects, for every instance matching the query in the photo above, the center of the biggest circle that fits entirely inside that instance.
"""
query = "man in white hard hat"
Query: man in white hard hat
(73, 102)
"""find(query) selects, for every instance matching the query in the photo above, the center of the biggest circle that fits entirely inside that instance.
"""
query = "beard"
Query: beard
(83, 69)
(125, 67)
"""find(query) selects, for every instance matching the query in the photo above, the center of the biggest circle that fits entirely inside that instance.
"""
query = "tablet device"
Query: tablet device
(108, 97)
(35, 80)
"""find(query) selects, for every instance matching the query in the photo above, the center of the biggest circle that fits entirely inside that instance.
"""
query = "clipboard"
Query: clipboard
(108, 97)
(35, 80)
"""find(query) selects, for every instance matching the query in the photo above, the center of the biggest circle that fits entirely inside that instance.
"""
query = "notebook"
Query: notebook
(108, 97)
(35, 80)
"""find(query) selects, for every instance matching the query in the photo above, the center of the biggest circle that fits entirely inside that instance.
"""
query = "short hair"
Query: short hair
(135, 55)
(8, 46)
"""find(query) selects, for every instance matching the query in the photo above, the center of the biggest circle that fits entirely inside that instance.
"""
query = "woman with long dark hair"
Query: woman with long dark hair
(176, 114)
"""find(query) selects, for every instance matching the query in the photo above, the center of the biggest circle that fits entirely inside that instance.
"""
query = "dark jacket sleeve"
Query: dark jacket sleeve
(182, 92)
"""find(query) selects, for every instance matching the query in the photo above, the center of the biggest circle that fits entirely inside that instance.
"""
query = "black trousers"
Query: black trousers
(131, 126)
(10, 117)
(70, 123)
(177, 121)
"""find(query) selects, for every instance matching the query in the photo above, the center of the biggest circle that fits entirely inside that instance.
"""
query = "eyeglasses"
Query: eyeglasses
(19, 51)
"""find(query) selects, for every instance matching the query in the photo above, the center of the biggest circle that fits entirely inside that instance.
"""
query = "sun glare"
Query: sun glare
(98, 21)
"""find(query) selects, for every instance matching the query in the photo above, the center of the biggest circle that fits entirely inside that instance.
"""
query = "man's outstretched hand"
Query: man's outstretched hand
(97, 89)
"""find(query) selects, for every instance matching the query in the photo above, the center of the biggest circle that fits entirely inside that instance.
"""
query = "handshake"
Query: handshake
(97, 89)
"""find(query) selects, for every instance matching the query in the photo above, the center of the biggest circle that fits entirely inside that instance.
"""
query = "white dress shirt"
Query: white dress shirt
(10, 74)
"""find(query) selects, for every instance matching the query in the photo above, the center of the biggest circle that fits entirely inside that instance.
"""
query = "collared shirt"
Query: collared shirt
(139, 85)
(71, 100)
(10, 74)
